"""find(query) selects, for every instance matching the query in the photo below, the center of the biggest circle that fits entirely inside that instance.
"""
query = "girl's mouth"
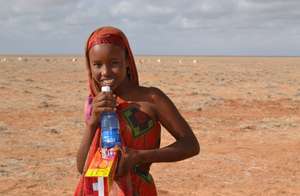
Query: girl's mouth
(107, 82)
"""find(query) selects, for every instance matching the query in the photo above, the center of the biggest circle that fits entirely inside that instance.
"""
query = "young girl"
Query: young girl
(141, 111)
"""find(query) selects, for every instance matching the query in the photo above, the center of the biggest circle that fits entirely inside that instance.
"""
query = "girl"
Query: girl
(141, 111)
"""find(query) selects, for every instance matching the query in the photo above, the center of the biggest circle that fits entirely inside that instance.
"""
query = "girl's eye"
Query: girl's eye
(115, 62)
(97, 65)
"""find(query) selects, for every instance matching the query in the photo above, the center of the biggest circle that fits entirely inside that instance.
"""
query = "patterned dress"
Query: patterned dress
(138, 131)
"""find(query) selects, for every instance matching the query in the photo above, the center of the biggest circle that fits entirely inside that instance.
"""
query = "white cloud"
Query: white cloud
(123, 8)
(170, 27)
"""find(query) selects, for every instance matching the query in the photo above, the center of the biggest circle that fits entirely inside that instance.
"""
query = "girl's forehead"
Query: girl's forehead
(107, 50)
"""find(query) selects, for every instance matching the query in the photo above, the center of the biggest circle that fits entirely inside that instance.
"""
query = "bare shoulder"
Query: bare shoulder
(158, 99)
(156, 93)
(151, 100)
(152, 94)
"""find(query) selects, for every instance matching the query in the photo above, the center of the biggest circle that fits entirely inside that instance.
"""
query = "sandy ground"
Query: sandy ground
(244, 111)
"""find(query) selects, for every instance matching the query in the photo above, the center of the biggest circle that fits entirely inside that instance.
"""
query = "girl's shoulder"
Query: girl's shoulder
(150, 94)
(147, 99)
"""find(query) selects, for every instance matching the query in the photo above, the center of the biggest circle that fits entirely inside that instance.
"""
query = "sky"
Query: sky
(154, 27)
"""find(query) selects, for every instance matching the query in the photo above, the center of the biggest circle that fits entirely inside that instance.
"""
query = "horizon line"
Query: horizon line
(170, 55)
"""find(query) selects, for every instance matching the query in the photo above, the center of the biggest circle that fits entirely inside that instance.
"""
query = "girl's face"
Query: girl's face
(108, 65)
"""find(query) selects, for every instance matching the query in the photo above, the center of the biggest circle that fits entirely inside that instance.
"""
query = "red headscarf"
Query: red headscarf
(110, 35)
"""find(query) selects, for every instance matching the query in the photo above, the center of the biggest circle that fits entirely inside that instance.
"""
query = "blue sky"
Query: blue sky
(170, 27)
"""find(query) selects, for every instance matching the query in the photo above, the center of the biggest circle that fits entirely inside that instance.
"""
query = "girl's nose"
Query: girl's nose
(105, 71)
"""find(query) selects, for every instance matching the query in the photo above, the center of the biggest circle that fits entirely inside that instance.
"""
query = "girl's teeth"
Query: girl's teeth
(107, 81)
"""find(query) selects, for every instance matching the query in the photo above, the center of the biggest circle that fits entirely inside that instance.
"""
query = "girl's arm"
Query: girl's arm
(186, 144)
(85, 146)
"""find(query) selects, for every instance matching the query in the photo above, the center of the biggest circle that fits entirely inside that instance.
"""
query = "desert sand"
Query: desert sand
(245, 111)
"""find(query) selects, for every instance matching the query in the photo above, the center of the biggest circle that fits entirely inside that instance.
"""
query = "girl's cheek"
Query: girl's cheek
(96, 71)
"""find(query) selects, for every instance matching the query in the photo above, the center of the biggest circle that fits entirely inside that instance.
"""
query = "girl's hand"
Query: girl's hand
(103, 102)
(127, 160)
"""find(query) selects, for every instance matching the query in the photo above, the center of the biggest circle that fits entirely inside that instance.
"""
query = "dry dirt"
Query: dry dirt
(245, 111)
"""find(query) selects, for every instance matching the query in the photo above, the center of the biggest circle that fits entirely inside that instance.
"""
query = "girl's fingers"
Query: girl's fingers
(104, 109)
(105, 103)
(104, 97)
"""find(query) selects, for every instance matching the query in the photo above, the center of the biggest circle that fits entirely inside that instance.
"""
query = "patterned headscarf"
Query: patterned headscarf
(110, 35)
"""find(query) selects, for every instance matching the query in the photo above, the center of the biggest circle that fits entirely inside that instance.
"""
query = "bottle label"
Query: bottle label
(108, 152)
(110, 138)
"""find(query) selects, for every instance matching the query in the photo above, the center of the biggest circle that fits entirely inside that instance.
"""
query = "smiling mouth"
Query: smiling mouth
(107, 82)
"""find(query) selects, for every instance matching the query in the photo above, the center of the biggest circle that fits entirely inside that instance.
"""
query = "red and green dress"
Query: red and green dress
(138, 131)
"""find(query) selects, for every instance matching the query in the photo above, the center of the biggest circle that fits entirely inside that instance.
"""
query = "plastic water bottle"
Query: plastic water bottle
(110, 134)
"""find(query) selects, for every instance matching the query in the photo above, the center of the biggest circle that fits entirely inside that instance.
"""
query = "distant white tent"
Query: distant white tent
(158, 60)
(20, 58)
(74, 59)
(194, 61)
